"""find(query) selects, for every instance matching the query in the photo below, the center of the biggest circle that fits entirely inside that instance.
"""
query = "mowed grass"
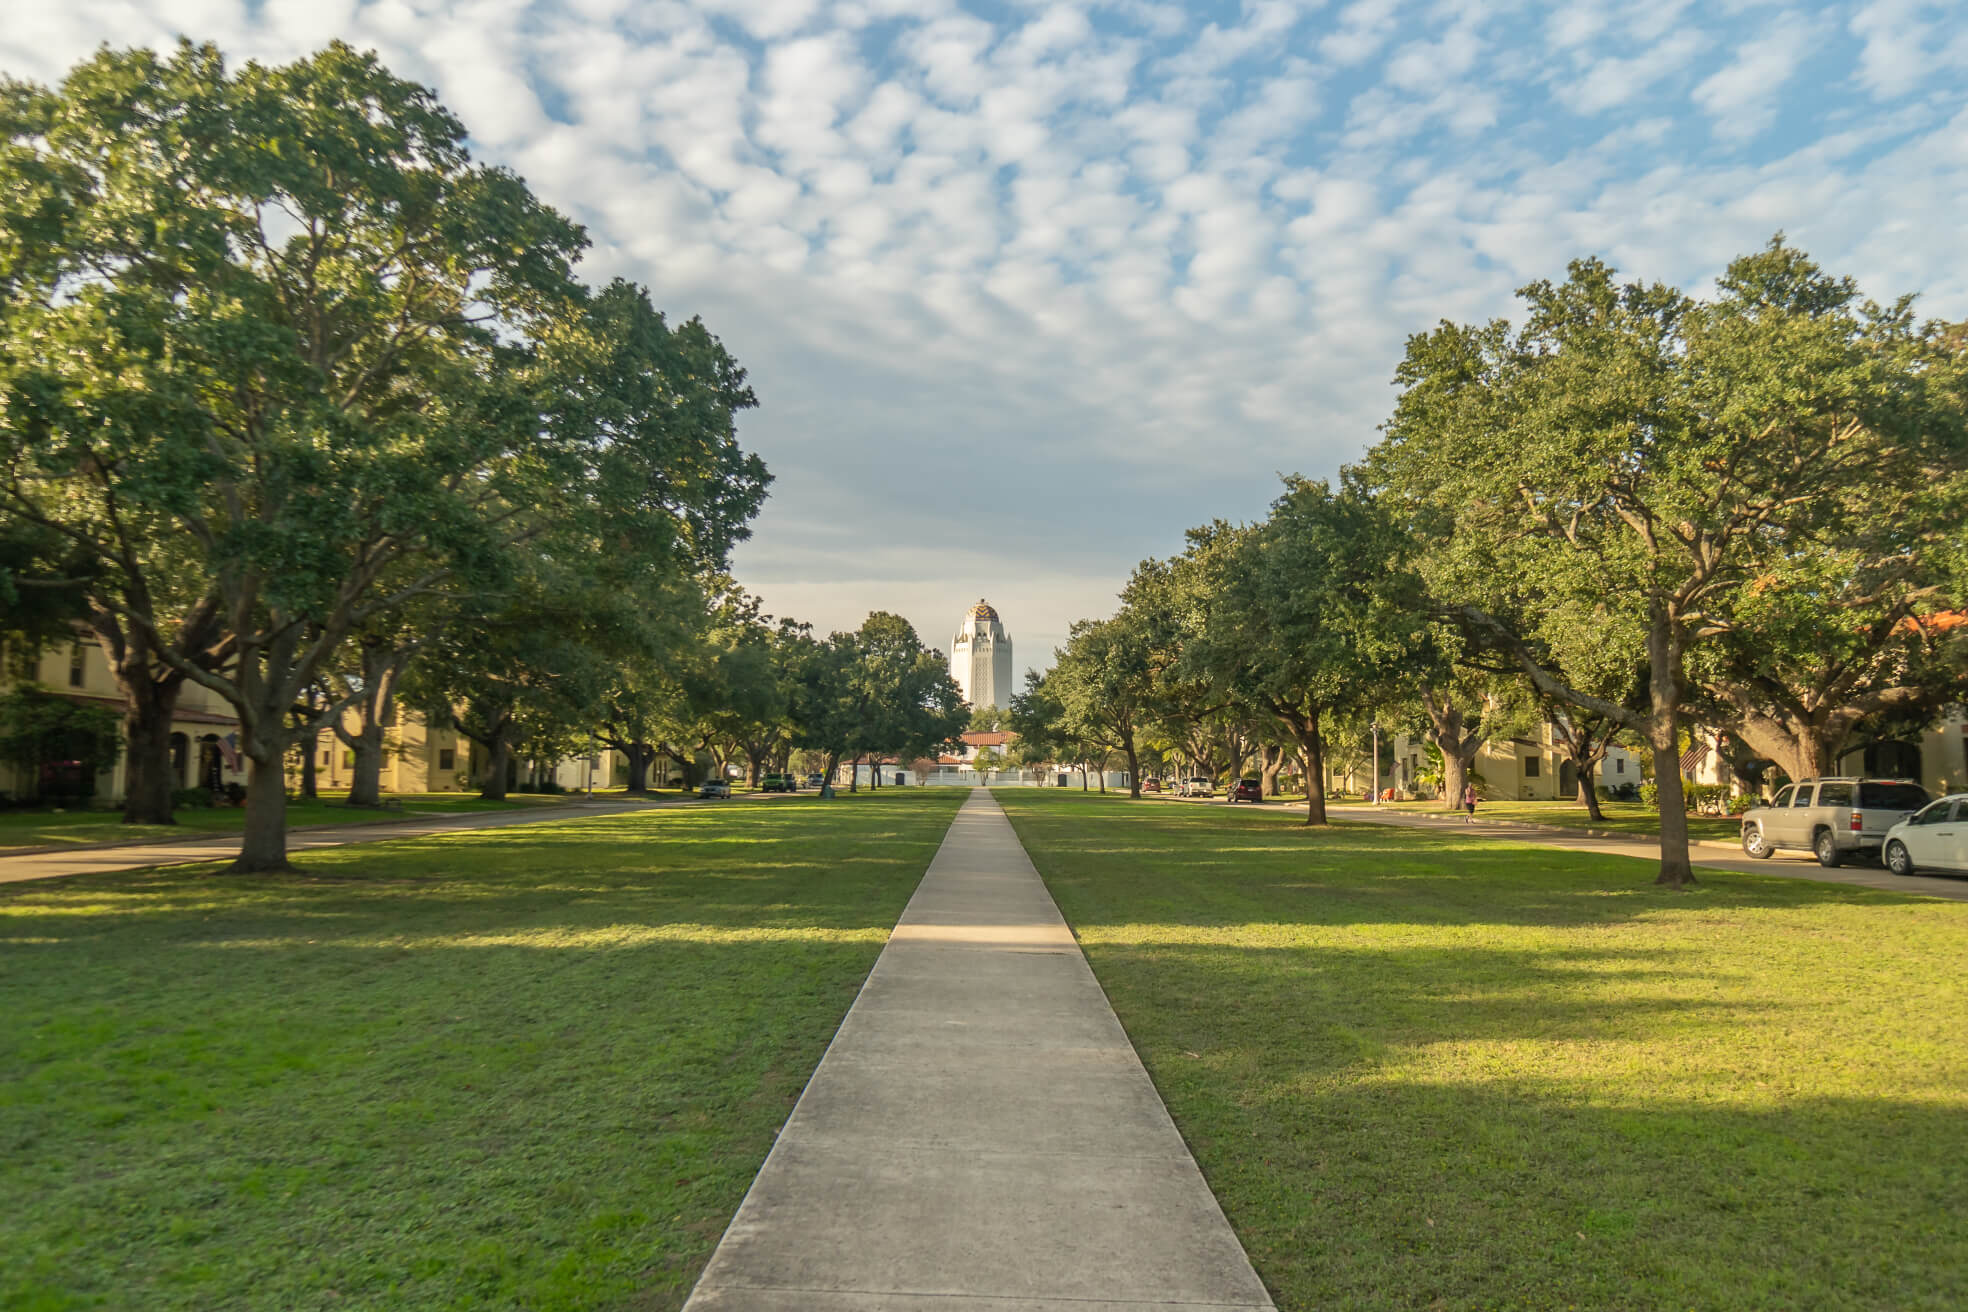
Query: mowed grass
(1425, 1070)
(1618, 818)
(530, 1067)
(38, 829)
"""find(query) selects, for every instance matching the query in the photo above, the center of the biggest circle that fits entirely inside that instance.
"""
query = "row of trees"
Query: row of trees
(1634, 512)
(301, 404)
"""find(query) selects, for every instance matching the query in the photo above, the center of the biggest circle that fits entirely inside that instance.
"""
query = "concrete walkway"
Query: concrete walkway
(219, 847)
(1800, 865)
(980, 1135)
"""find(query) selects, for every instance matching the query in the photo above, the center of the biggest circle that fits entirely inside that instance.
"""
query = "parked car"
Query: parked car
(1198, 786)
(715, 788)
(1834, 819)
(1247, 790)
(1934, 838)
(778, 783)
(815, 780)
(1151, 785)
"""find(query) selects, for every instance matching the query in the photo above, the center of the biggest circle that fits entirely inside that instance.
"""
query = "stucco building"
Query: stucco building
(204, 729)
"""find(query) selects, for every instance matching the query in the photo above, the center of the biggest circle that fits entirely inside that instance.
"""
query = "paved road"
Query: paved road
(980, 1136)
(96, 860)
(1799, 866)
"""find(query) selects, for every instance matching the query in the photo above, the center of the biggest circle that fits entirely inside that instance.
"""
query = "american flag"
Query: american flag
(1693, 758)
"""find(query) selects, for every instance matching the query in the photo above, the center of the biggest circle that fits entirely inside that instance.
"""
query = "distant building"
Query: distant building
(980, 659)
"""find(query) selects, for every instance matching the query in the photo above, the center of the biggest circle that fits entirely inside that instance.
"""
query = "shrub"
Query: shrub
(193, 798)
(1650, 794)
(66, 745)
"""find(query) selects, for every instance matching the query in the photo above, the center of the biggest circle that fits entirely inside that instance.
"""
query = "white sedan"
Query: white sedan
(1933, 838)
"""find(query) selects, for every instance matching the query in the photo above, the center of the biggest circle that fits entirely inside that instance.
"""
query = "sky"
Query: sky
(1026, 290)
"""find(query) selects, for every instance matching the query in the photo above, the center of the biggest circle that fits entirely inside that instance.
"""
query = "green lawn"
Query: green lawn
(25, 829)
(1620, 817)
(1426, 1070)
(529, 1068)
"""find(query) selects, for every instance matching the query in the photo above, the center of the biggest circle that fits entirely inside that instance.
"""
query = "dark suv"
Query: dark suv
(1247, 790)
(1830, 818)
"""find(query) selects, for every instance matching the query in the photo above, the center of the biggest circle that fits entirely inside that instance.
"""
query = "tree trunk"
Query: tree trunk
(1445, 730)
(1273, 760)
(1588, 794)
(1085, 781)
(1134, 773)
(1312, 744)
(1677, 868)
(640, 757)
(1455, 778)
(498, 753)
(1664, 693)
(854, 775)
(366, 784)
(264, 846)
(310, 740)
(148, 707)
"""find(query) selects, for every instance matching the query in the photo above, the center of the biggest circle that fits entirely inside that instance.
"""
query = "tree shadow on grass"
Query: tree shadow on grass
(1223, 867)
(787, 865)
(1423, 1071)
(1433, 1126)
(543, 1076)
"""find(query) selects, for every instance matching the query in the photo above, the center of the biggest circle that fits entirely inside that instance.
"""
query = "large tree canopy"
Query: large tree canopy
(1632, 447)
(272, 335)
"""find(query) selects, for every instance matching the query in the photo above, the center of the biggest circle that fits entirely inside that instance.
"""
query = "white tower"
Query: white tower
(980, 659)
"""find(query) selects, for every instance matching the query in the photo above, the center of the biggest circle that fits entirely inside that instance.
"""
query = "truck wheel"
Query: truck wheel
(1753, 844)
(1825, 845)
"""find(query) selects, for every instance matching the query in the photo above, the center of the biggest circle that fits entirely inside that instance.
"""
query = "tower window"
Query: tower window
(77, 666)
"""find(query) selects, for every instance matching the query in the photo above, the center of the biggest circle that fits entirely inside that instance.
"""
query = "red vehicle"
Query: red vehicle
(1247, 790)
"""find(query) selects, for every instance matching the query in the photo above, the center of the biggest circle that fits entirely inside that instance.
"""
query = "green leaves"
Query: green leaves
(271, 342)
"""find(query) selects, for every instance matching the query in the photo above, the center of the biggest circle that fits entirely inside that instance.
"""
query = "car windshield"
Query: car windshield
(1893, 797)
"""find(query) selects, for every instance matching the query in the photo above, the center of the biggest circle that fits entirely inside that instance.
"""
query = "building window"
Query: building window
(348, 759)
(1531, 767)
(76, 665)
(1619, 766)
(324, 755)
(447, 758)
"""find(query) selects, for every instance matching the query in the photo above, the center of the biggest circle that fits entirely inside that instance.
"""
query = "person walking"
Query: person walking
(1469, 803)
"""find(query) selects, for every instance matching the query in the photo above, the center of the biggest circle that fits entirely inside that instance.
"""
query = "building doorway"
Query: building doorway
(211, 763)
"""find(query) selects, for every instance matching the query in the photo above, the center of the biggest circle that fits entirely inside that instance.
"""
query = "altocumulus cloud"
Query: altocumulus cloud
(1028, 289)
